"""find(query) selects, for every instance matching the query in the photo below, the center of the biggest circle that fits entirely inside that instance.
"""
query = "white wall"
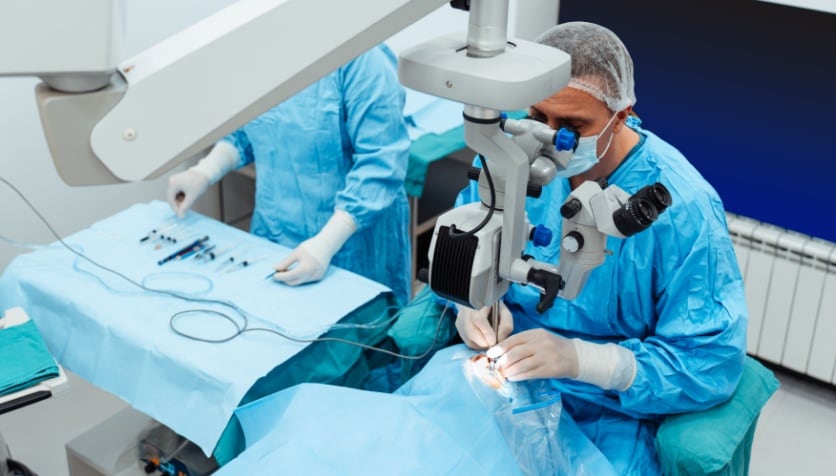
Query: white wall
(25, 159)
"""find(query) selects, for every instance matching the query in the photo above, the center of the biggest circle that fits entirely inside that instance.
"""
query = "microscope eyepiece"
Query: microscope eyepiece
(571, 208)
(634, 216)
(657, 194)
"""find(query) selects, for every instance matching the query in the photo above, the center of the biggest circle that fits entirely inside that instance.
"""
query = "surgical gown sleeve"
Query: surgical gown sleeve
(241, 141)
(373, 101)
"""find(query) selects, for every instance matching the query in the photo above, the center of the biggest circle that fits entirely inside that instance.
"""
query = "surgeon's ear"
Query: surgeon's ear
(621, 118)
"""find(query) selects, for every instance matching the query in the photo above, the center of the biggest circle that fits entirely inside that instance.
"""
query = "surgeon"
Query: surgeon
(659, 328)
(330, 165)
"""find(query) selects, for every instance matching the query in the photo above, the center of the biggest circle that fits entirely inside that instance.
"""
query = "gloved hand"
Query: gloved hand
(475, 328)
(309, 261)
(185, 187)
(539, 353)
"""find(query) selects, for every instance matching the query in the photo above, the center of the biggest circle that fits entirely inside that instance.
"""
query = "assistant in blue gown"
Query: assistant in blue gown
(341, 143)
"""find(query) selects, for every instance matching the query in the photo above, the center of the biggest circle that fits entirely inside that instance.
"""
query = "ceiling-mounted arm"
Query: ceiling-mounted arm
(176, 99)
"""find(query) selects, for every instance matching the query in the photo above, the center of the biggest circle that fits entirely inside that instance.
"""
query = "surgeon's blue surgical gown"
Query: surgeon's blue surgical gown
(340, 143)
(672, 294)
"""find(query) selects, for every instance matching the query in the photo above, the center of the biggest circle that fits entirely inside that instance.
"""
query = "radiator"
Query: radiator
(790, 282)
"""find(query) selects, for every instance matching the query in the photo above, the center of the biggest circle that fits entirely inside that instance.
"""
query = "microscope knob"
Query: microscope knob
(570, 208)
(565, 139)
(551, 283)
(473, 173)
(541, 236)
(572, 242)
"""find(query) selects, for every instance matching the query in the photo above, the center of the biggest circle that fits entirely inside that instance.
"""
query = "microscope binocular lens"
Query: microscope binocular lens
(642, 209)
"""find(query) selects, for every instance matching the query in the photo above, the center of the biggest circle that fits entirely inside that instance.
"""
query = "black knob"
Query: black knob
(534, 191)
(551, 283)
(460, 4)
(423, 275)
(473, 173)
(571, 208)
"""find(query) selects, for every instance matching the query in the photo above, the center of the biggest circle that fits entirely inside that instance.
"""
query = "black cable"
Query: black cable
(455, 233)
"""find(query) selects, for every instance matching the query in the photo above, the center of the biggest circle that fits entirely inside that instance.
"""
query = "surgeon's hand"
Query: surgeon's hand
(537, 353)
(309, 261)
(475, 328)
(184, 188)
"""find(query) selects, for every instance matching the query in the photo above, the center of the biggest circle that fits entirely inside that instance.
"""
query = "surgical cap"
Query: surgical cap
(601, 65)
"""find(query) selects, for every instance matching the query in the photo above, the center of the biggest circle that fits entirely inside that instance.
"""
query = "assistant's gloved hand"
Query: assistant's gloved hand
(475, 328)
(311, 258)
(539, 353)
(185, 187)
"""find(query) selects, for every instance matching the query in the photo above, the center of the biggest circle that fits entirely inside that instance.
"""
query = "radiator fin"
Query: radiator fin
(790, 284)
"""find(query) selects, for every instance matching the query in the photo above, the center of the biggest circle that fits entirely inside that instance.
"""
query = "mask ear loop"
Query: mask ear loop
(612, 134)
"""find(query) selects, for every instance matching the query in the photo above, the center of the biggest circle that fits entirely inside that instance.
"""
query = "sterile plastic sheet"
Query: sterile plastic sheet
(119, 338)
(438, 423)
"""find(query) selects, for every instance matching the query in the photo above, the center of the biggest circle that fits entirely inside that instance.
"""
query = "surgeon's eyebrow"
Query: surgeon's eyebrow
(537, 114)
(571, 121)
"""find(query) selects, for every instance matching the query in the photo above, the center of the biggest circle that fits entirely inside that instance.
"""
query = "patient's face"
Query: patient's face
(479, 366)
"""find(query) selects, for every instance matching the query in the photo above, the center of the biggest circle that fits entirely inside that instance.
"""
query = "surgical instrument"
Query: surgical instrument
(156, 231)
(244, 264)
(191, 248)
(494, 318)
(205, 252)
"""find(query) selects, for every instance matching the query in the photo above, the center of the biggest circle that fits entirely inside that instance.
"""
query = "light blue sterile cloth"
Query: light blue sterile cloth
(440, 422)
(119, 337)
(24, 360)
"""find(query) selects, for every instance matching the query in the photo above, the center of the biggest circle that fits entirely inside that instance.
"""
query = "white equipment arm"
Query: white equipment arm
(173, 101)
(137, 119)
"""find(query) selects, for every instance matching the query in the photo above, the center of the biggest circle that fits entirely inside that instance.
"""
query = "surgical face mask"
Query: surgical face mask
(586, 155)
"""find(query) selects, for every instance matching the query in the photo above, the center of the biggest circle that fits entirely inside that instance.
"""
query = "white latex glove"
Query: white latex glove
(309, 261)
(539, 353)
(475, 328)
(185, 187)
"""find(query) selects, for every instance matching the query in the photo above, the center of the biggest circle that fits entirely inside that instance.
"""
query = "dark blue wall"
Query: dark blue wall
(746, 90)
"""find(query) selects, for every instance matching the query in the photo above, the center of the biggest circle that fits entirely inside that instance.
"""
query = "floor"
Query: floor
(796, 433)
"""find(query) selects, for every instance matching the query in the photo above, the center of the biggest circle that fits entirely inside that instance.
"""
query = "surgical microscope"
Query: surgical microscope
(477, 249)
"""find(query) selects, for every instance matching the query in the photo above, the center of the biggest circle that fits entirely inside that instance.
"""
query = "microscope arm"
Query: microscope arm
(108, 120)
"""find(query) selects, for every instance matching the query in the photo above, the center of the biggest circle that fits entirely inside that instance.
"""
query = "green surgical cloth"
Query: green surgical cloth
(24, 358)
